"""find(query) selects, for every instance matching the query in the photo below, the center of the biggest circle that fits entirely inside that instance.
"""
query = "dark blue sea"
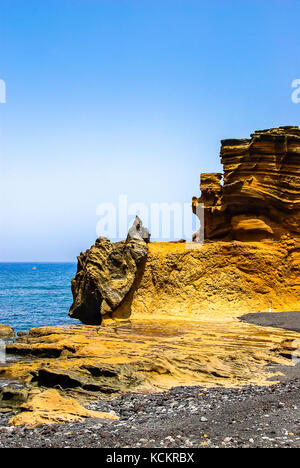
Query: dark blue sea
(34, 295)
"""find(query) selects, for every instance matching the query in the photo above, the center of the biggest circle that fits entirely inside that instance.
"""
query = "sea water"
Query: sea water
(35, 295)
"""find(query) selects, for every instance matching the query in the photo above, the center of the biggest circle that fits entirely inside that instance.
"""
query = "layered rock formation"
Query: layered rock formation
(49, 407)
(260, 195)
(105, 274)
(254, 263)
(179, 281)
(153, 354)
(169, 312)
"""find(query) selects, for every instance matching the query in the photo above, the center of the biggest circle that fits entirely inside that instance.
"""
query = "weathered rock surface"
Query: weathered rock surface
(184, 417)
(50, 407)
(140, 355)
(12, 396)
(169, 312)
(255, 263)
(180, 281)
(105, 274)
(138, 231)
(260, 195)
(177, 325)
(6, 332)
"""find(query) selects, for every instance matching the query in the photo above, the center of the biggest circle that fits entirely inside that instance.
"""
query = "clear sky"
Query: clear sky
(110, 97)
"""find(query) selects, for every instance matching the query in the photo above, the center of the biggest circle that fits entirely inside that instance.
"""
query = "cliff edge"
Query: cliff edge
(250, 259)
(260, 195)
(169, 312)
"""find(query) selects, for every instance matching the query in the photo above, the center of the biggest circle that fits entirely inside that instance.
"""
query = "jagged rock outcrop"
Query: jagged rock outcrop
(171, 310)
(259, 201)
(6, 332)
(138, 231)
(260, 195)
(105, 274)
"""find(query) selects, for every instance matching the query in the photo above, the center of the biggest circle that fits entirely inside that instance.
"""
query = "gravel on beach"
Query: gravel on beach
(285, 320)
(186, 417)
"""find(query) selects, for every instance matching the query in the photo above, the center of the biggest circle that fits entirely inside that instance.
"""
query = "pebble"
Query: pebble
(238, 417)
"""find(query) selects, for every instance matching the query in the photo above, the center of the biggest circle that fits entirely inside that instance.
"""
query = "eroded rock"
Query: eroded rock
(6, 332)
(13, 395)
(148, 355)
(260, 195)
(138, 231)
(214, 279)
(105, 275)
(50, 407)
(170, 311)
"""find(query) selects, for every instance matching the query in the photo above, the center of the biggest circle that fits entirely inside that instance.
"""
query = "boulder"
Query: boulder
(105, 275)
(138, 231)
(6, 332)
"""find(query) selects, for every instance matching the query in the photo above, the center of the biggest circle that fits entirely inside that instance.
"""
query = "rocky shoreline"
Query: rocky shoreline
(59, 371)
(164, 356)
(250, 416)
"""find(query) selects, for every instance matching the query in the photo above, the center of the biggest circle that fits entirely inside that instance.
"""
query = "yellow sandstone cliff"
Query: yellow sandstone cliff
(215, 279)
(250, 259)
(166, 314)
(260, 194)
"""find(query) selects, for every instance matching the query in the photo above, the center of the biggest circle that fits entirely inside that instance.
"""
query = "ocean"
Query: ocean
(35, 295)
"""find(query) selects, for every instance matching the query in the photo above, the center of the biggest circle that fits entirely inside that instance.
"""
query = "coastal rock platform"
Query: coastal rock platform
(140, 357)
(163, 315)
(179, 325)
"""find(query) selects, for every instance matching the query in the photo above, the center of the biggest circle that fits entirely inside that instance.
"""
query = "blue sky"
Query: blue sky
(128, 97)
